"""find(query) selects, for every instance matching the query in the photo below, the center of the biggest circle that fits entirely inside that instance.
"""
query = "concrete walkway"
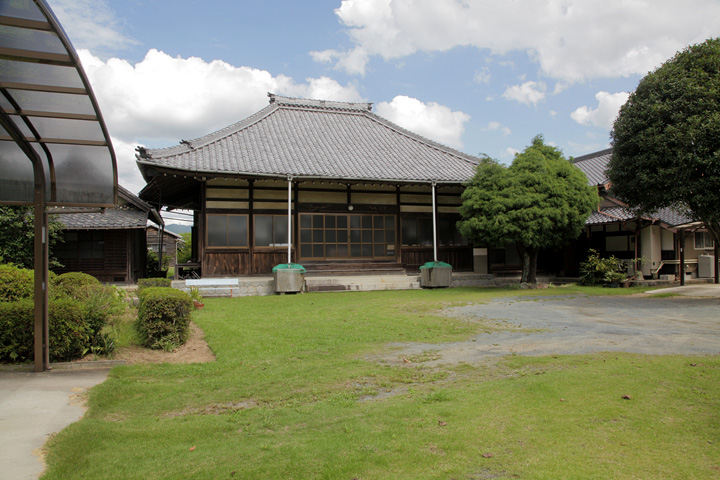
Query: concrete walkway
(700, 290)
(33, 406)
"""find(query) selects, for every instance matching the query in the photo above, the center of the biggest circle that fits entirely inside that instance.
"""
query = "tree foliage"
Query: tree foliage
(184, 254)
(17, 236)
(540, 201)
(666, 139)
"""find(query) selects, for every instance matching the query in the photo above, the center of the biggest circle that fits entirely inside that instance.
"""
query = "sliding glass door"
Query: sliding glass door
(349, 236)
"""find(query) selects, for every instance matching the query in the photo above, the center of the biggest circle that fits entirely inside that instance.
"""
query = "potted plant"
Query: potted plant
(196, 298)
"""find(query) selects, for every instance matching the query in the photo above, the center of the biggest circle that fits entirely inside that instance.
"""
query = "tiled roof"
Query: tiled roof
(113, 218)
(131, 213)
(594, 166)
(610, 215)
(667, 216)
(315, 139)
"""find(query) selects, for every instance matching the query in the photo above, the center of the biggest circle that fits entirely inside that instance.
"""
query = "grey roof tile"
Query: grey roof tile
(668, 216)
(316, 139)
(112, 219)
(131, 213)
(594, 166)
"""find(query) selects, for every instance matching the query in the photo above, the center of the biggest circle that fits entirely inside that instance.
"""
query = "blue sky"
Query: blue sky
(482, 76)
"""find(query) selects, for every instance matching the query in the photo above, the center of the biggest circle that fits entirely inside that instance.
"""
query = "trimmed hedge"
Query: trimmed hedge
(164, 317)
(80, 306)
(144, 283)
(74, 285)
(69, 333)
(15, 283)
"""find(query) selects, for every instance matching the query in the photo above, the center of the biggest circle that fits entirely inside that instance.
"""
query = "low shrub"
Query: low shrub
(144, 283)
(74, 285)
(596, 270)
(164, 317)
(99, 301)
(70, 336)
(15, 283)
(17, 324)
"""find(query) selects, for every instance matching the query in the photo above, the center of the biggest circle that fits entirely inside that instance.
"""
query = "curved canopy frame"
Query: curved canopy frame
(54, 146)
(49, 115)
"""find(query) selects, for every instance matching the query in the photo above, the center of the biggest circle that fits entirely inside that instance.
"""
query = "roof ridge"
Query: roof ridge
(316, 103)
(417, 137)
(589, 156)
(188, 145)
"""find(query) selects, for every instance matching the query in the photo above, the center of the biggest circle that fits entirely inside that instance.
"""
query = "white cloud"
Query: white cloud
(352, 62)
(163, 99)
(495, 126)
(128, 173)
(91, 24)
(529, 93)
(509, 153)
(432, 120)
(606, 112)
(569, 40)
(482, 76)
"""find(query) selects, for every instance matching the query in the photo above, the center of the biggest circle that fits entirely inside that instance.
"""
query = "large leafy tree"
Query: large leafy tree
(17, 235)
(540, 201)
(666, 139)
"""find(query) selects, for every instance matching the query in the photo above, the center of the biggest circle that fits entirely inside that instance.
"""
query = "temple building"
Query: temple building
(329, 185)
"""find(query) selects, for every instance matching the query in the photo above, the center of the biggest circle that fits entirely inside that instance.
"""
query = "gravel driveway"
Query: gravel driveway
(580, 324)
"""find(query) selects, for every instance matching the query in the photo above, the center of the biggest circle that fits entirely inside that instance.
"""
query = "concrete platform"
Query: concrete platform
(33, 406)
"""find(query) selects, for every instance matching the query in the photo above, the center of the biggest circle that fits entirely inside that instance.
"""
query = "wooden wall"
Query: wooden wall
(237, 196)
(122, 260)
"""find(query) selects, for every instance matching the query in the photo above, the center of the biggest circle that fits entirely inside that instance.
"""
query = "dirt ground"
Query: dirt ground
(195, 350)
(576, 325)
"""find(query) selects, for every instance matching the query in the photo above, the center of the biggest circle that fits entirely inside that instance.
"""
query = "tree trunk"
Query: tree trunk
(528, 256)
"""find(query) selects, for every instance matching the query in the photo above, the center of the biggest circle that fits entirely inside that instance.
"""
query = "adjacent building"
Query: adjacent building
(109, 244)
(659, 239)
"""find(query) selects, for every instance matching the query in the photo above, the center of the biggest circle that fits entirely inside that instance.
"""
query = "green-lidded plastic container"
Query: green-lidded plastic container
(288, 266)
(435, 264)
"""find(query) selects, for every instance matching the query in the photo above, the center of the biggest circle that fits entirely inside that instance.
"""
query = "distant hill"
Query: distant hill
(177, 228)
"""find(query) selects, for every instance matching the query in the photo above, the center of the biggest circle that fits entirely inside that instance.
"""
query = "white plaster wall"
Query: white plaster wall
(650, 248)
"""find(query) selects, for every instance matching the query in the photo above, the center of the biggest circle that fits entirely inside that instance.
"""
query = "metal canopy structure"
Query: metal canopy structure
(54, 146)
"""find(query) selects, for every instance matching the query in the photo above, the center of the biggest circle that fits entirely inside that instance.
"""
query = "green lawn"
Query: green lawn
(294, 394)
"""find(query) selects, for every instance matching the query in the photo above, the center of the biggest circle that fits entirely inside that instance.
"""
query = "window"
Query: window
(347, 236)
(620, 243)
(271, 230)
(83, 245)
(418, 231)
(227, 230)
(703, 241)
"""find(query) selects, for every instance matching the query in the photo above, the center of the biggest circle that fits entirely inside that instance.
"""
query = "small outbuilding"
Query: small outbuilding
(110, 244)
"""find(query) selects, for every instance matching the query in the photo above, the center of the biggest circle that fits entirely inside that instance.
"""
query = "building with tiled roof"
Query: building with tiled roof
(615, 229)
(109, 244)
(361, 190)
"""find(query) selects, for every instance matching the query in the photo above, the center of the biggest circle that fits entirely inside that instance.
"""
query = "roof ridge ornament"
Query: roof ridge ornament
(318, 103)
